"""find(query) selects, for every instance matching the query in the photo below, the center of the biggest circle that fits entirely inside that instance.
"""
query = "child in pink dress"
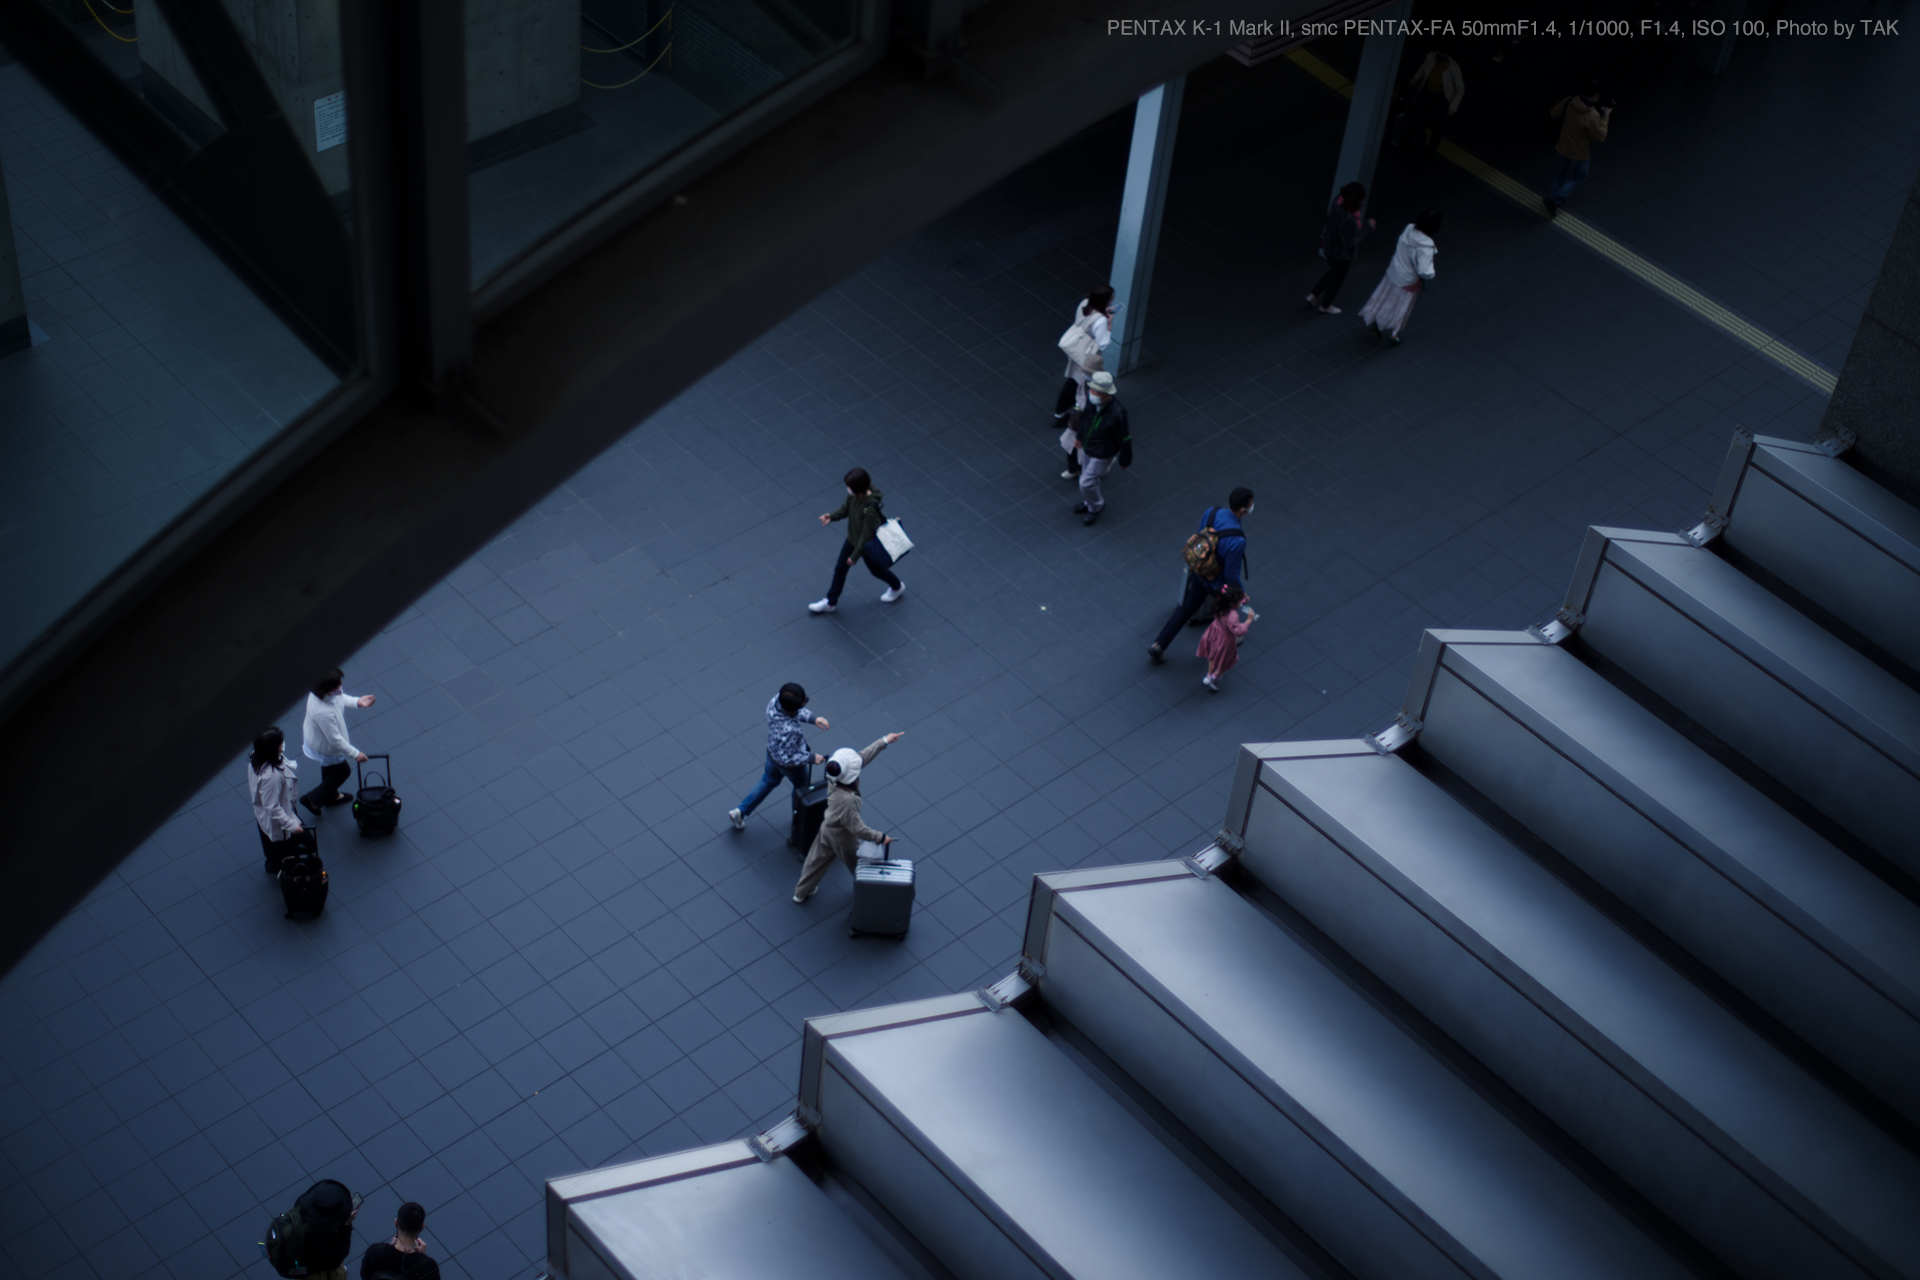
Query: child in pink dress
(1220, 642)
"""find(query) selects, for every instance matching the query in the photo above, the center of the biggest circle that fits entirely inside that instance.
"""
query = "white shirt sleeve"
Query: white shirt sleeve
(1102, 331)
(1423, 261)
(330, 725)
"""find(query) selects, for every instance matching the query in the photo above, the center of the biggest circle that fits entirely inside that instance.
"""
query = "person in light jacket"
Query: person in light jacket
(324, 739)
(1096, 313)
(1410, 271)
(272, 783)
(842, 830)
(1435, 92)
(1339, 241)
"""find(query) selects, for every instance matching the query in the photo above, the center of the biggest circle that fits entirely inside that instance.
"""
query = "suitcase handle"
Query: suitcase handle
(360, 772)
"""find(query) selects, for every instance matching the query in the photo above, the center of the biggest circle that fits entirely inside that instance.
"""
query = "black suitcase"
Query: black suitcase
(303, 881)
(882, 898)
(377, 807)
(809, 811)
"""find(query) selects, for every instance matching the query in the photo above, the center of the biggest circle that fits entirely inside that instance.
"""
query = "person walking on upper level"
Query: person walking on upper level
(324, 739)
(864, 516)
(1339, 242)
(788, 755)
(404, 1255)
(1085, 342)
(1584, 118)
(1408, 273)
(1436, 90)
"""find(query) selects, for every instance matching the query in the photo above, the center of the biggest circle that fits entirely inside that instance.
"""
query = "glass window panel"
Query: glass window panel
(153, 368)
(567, 99)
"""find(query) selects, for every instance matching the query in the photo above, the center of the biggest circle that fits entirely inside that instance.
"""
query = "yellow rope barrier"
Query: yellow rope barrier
(118, 9)
(109, 30)
(666, 18)
(643, 75)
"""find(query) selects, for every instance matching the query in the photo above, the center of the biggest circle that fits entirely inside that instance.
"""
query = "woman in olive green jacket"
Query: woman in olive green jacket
(862, 513)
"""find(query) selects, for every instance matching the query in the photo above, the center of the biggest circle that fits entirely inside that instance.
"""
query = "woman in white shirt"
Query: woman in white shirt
(272, 782)
(1095, 314)
(1410, 271)
(324, 739)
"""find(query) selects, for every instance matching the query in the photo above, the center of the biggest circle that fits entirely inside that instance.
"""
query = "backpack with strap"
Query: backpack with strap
(1203, 549)
(286, 1241)
(1080, 345)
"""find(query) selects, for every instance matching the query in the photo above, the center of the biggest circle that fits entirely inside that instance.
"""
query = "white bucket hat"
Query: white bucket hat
(843, 766)
(1101, 382)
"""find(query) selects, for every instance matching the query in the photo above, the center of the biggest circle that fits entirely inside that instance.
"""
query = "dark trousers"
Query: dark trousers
(1064, 402)
(1195, 595)
(798, 774)
(1433, 115)
(879, 564)
(1330, 283)
(331, 776)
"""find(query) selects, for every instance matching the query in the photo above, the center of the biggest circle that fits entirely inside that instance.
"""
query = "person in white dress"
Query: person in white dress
(1409, 272)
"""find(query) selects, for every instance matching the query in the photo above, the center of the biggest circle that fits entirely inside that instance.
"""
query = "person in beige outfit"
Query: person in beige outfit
(1583, 118)
(842, 830)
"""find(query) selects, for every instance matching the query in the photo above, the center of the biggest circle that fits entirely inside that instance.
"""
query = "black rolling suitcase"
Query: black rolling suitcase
(882, 898)
(303, 878)
(809, 811)
(377, 807)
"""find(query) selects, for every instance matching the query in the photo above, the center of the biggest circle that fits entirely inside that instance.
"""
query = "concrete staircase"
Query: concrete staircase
(1601, 960)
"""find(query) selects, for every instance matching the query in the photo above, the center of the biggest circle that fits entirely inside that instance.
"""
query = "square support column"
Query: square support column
(1373, 86)
(1156, 121)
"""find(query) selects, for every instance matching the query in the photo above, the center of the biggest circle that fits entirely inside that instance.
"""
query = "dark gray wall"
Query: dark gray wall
(1878, 398)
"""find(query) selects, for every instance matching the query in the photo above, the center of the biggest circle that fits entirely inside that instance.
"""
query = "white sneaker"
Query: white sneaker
(1211, 683)
(801, 897)
(893, 593)
(1069, 475)
(822, 605)
(738, 819)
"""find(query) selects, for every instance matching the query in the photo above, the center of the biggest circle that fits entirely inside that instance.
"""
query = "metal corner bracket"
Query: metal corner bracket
(1396, 735)
(782, 1137)
(1210, 859)
(1004, 992)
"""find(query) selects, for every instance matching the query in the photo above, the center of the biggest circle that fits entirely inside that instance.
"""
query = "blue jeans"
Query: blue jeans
(798, 774)
(1566, 176)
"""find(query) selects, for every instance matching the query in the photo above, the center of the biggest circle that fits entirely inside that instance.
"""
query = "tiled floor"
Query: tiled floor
(566, 958)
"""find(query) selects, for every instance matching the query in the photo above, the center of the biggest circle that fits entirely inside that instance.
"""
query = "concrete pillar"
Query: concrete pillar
(14, 335)
(1875, 397)
(1716, 51)
(1156, 122)
(1373, 87)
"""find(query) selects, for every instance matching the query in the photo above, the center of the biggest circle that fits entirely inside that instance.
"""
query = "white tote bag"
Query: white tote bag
(894, 540)
(1080, 345)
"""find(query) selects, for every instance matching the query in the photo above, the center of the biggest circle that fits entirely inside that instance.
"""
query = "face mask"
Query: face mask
(1099, 401)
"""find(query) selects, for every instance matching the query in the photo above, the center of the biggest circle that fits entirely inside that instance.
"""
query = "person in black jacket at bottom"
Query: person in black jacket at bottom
(1102, 437)
(404, 1257)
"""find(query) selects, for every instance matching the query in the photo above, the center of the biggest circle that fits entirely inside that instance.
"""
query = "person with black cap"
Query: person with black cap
(404, 1256)
(842, 831)
(788, 755)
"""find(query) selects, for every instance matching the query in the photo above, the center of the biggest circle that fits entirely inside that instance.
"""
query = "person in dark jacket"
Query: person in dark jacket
(862, 513)
(327, 1210)
(1232, 548)
(404, 1256)
(1102, 438)
(1340, 241)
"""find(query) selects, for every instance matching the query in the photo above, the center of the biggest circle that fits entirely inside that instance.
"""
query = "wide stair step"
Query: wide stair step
(1820, 717)
(1007, 1160)
(1709, 1121)
(1809, 934)
(1827, 532)
(1361, 1135)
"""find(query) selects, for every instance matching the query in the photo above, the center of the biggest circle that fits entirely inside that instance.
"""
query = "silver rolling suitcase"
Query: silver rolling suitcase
(882, 898)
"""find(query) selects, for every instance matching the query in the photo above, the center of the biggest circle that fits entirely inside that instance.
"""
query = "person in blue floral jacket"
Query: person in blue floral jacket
(788, 755)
